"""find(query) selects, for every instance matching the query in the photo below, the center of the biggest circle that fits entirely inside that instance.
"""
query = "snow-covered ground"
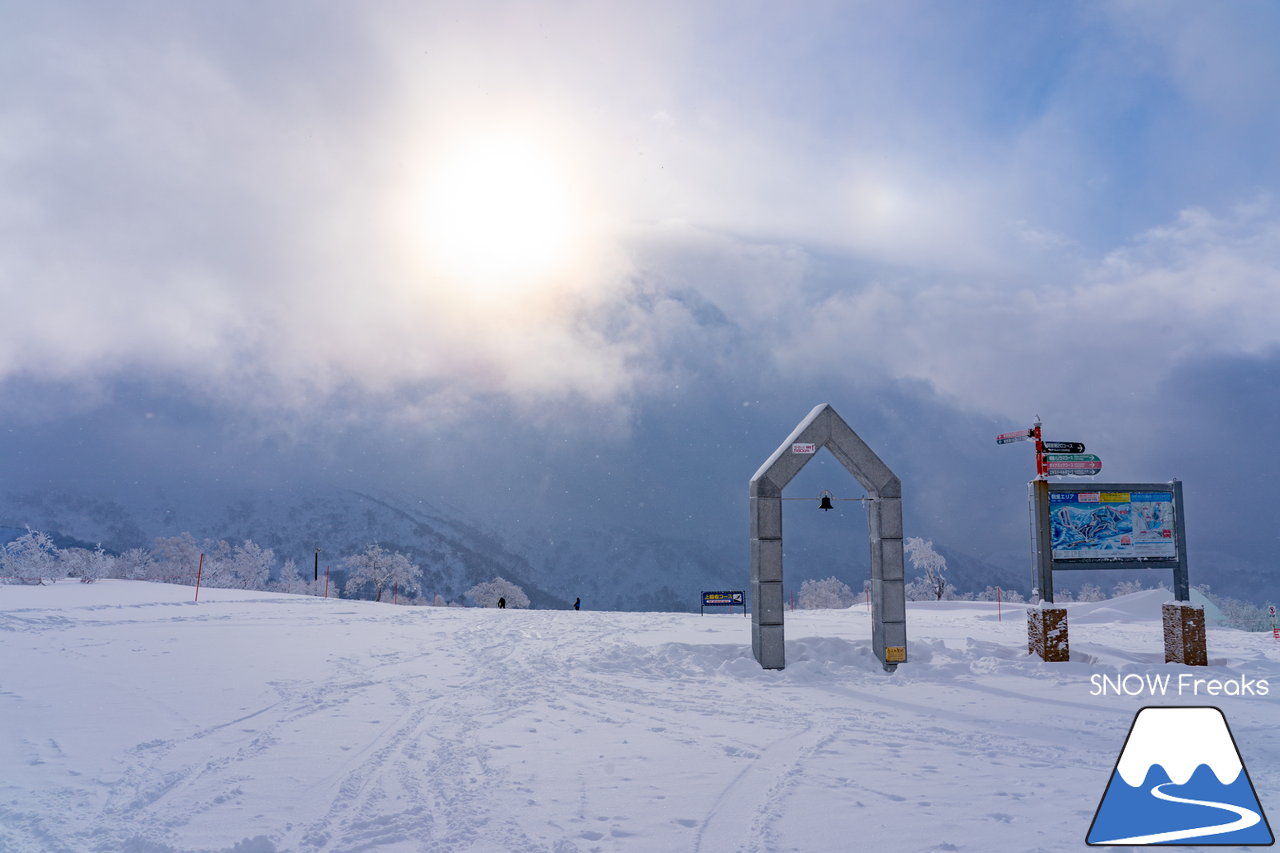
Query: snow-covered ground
(134, 719)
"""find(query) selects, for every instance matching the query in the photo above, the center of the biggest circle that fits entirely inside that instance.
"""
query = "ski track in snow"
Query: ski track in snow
(144, 723)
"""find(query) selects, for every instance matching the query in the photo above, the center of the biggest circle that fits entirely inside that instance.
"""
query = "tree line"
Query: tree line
(373, 573)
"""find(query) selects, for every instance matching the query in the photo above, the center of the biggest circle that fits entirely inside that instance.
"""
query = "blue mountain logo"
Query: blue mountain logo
(1180, 781)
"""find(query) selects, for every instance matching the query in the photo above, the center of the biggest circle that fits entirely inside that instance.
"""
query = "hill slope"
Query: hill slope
(136, 719)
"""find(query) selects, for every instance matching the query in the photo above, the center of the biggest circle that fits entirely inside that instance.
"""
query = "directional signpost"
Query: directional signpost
(1055, 458)
(1016, 435)
(1073, 464)
(1063, 447)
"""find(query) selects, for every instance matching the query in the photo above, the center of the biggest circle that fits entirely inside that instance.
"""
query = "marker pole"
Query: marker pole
(199, 571)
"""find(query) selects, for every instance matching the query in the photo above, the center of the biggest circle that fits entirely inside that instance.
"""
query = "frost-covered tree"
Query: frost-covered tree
(1239, 614)
(1008, 596)
(29, 559)
(174, 559)
(380, 570)
(215, 567)
(932, 585)
(487, 593)
(1090, 592)
(303, 582)
(134, 564)
(1127, 588)
(244, 566)
(829, 594)
(86, 565)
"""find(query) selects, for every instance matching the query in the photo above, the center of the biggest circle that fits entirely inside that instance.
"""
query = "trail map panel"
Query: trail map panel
(1112, 525)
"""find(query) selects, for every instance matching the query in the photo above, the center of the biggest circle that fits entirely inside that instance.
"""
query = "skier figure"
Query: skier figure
(577, 604)
(502, 604)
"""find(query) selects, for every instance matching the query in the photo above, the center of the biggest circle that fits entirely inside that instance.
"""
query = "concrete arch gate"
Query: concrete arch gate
(824, 428)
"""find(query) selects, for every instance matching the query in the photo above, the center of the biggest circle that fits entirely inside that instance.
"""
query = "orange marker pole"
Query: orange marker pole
(199, 571)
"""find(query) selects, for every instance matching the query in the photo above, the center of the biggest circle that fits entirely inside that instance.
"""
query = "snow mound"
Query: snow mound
(1141, 606)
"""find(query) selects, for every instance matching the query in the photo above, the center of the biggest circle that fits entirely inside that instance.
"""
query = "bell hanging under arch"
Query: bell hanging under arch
(826, 501)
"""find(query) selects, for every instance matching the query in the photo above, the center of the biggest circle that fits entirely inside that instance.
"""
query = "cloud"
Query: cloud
(1201, 286)
(222, 207)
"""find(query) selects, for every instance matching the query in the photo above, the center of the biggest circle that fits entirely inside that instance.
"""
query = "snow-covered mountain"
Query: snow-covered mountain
(454, 554)
(617, 569)
(624, 569)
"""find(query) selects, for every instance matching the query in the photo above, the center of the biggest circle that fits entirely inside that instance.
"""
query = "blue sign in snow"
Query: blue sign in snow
(1179, 781)
(725, 598)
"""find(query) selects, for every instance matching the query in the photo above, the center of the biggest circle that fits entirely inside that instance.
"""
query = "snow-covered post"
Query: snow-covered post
(1184, 634)
(1047, 632)
(199, 571)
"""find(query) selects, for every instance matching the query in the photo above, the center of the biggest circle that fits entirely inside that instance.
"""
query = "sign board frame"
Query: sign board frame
(724, 598)
(1046, 561)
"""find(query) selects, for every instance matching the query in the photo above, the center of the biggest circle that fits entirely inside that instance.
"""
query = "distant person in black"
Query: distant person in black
(502, 603)
(577, 604)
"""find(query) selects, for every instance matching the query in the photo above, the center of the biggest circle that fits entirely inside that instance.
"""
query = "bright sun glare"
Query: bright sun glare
(499, 215)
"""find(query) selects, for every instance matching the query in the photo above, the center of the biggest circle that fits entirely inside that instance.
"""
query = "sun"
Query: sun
(498, 214)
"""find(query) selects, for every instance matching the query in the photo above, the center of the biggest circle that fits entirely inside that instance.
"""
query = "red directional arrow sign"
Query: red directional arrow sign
(1017, 435)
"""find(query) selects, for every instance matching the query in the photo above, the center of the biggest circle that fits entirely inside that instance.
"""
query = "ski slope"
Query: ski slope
(134, 719)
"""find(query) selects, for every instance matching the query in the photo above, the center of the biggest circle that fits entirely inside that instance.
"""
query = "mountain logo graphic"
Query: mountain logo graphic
(1179, 781)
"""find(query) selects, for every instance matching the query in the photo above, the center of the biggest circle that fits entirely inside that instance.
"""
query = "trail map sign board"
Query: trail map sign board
(824, 428)
(1108, 526)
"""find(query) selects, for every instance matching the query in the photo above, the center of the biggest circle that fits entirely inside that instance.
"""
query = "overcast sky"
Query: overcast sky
(590, 249)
